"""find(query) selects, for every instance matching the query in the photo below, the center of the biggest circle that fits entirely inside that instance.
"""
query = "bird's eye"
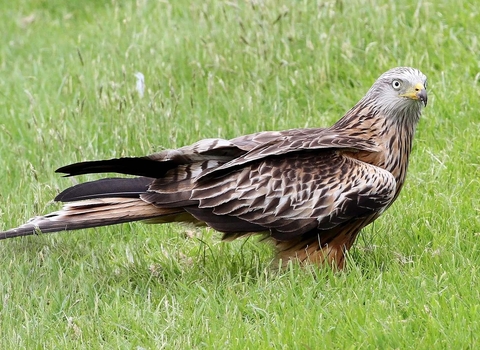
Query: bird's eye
(396, 84)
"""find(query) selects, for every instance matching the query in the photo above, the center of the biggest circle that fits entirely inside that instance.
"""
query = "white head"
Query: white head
(400, 92)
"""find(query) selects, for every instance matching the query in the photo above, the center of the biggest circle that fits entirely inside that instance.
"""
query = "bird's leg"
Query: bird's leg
(324, 250)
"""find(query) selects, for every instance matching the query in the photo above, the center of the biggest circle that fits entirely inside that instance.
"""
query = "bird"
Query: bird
(308, 191)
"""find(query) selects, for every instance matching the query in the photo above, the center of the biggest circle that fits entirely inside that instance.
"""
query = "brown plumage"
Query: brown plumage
(310, 191)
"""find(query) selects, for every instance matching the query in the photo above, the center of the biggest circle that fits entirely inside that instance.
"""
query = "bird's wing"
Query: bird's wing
(288, 195)
(157, 164)
(211, 155)
(287, 182)
(215, 150)
(295, 140)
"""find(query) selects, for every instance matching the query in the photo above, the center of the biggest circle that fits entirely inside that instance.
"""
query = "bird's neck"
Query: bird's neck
(393, 135)
(398, 147)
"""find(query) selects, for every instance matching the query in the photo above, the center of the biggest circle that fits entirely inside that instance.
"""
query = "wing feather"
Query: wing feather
(325, 190)
(297, 140)
(288, 182)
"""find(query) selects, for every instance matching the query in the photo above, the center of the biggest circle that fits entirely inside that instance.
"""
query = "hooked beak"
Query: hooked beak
(418, 92)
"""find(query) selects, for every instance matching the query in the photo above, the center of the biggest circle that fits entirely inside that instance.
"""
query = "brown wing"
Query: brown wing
(287, 196)
(156, 165)
(285, 182)
(296, 140)
(221, 155)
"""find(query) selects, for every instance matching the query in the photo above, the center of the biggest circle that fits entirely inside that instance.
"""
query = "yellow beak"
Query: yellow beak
(418, 92)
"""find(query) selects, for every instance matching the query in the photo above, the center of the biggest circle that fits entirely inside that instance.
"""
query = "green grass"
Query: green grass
(221, 69)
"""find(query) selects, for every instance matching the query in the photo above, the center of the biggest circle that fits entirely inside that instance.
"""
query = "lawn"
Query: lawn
(221, 69)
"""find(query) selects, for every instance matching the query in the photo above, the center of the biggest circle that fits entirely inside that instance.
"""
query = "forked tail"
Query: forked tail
(98, 203)
(90, 213)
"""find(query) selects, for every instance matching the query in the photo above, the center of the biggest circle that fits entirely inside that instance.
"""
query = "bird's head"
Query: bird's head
(401, 91)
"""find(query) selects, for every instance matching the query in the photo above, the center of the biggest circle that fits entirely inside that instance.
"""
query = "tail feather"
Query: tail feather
(104, 188)
(91, 213)
(98, 203)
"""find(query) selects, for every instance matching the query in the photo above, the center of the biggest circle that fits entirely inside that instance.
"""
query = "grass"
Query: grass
(221, 69)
